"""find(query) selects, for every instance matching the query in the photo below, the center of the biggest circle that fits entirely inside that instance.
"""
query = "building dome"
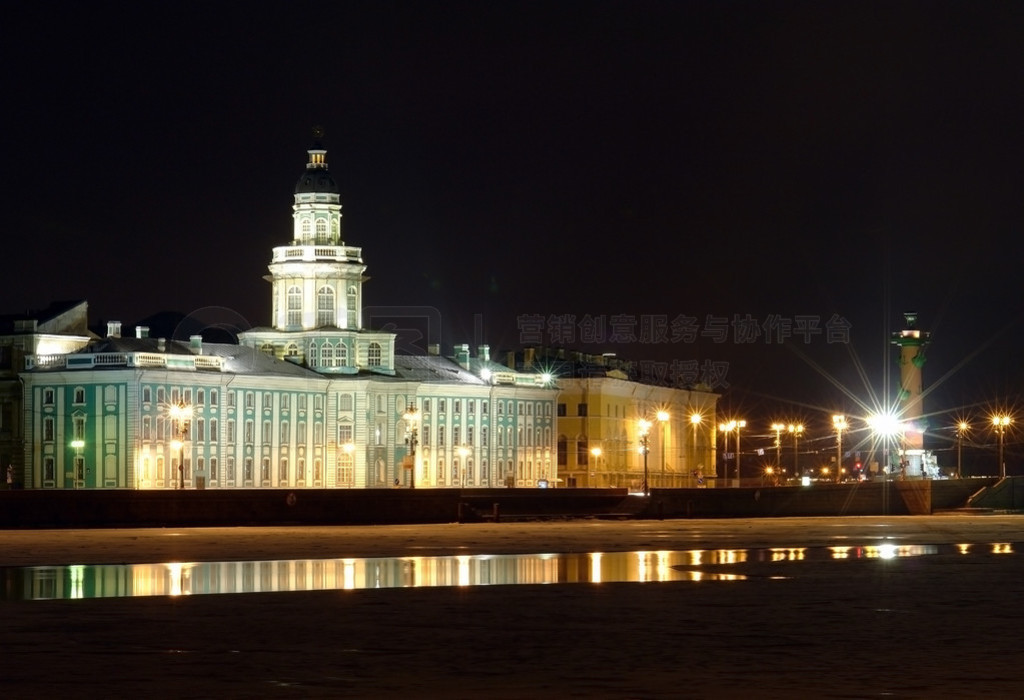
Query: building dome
(316, 178)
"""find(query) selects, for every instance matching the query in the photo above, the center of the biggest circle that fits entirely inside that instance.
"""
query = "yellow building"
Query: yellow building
(602, 418)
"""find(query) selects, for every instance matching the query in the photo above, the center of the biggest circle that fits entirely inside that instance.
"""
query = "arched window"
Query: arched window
(327, 355)
(325, 307)
(341, 356)
(373, 355)
(321, 230)
(294, 306)
(307, 228)
(353, 306)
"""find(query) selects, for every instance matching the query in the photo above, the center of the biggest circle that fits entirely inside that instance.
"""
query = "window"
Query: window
(213, 469)
(440, 405)
(160, 394)
(214, 397)
(440, 436)
(294, 307)
(563, 455)
(344, 435)
(302, 402)
(284, 432)
(78, 428)
(282, 469)
(307, 229)
(48, 397)
(147, 428)
(266, 432)
(201, 397)
(483, 436)
(48, 429)
(581, 409)
(231, 399)
(286, 402)
(231, 431)
(501, 408)
(373, 355)
(200, 435)
(426, 434)
(561, 409)
(456, 406)
(147, 394)
(318, 402)
(426, 405)
(469, 435)
(327, 355)
(229, 469)
(250, 400)
(341, 356)
(325, 307)
(483, 407)
(249, 432)
(582, 454)
(47, 468)
(265, 469)
(79, 395)
(456, 434)
(345, 402)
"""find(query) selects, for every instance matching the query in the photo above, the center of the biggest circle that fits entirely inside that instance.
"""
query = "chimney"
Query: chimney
(141, 331)
(483, 353)
(462, 355)
(528, 358)
(195, 344)
(161, 344)
(113, 329)
(510, 359)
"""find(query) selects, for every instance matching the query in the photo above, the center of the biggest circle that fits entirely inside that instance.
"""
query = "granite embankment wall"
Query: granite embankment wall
(62, 509)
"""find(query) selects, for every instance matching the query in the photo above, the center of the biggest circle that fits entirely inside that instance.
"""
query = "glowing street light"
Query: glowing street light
(778, 428)
(644, 427)
(961, 430)
(728, 428)
(695, 421)
(597, 452)
(663, 417)
(463, 454)
(839, 423)
(412, 426)
(1000, 423)
(181, 414)
(78, 444)
(796, 430)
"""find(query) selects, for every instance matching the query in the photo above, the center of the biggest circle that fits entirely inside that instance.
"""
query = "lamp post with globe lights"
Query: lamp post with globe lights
(961, 429)
(839, 423)
(412, 426)
(181, 414)
(663, 418)
(695, 421)
(1000, 423)
(777, 428)
(796, 430)
(644, 427)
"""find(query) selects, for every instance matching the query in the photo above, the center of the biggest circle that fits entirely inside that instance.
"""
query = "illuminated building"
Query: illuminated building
(313, 400)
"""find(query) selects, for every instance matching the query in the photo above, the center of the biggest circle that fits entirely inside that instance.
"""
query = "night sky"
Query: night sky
(504, 162)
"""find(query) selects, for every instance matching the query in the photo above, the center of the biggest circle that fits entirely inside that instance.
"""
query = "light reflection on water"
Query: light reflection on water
(199, 578)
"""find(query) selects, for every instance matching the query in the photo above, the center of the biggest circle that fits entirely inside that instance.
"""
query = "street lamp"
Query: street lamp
(181, 414)
(695, 421)
(778, 428)
(839, 423)
(596, 451)
(79, 475)
(796, 430)
(961, 429)
(728, 428)
(463, 454)
(645, 434)
(412, 418)
(1000, 423)
(663, 419)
